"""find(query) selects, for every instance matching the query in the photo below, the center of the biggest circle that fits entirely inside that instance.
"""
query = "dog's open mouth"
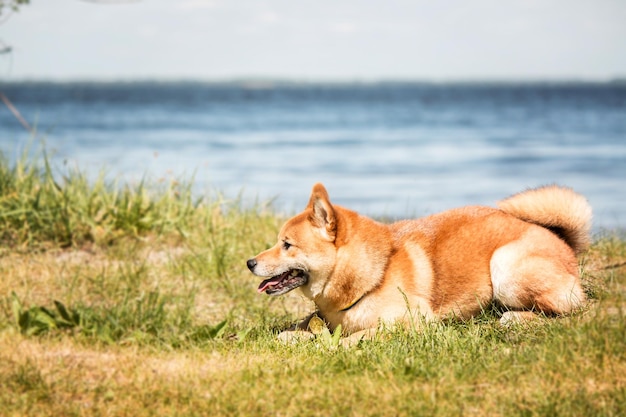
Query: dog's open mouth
(284, 282)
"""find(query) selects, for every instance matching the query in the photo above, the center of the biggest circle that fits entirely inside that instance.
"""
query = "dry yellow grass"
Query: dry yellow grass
(566, 366)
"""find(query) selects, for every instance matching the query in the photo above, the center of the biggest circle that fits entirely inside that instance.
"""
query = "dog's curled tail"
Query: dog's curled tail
(560, 209)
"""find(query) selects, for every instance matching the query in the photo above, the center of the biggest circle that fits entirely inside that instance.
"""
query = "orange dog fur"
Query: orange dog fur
(361, 273)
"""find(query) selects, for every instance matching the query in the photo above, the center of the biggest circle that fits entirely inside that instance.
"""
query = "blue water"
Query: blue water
(394, 149)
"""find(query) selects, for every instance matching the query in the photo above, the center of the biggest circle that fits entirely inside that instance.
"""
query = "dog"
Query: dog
(363, 274)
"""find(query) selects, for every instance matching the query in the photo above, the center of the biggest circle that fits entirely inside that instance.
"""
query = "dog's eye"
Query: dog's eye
(286, 245)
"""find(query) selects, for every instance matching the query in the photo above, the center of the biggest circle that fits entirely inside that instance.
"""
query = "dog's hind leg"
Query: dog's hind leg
(535, 274)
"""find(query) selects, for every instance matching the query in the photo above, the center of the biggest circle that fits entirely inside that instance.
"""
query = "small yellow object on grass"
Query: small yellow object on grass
(316, 325)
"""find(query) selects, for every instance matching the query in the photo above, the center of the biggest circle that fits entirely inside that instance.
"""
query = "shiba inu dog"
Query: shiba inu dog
(362, 274)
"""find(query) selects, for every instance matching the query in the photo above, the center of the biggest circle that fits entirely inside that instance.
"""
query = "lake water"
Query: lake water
(390, 149)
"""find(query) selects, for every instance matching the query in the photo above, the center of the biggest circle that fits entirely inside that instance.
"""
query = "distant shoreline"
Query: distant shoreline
(261, 83)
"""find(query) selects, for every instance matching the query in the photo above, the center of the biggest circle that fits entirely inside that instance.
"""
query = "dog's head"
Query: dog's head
(305, 253)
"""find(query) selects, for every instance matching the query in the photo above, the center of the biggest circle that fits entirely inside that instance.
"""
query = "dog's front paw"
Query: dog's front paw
(354, 339)
(350, 341)
(294, 336)
(516, 317)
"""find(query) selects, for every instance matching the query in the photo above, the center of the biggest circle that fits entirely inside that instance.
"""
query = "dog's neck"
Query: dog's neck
(362, 257)
(343, 310)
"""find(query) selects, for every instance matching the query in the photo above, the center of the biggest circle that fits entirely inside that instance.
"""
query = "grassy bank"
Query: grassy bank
(135, 301)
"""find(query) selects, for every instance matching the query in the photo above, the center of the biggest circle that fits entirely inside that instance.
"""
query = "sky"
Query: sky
(308, 40)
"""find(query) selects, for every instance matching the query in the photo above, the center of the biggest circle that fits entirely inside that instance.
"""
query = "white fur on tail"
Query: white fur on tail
(560, 209)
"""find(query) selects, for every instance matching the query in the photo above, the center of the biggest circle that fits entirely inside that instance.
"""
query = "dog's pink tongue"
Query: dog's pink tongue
(268, 283)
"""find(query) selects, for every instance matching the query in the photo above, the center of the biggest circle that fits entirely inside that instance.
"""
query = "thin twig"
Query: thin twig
(15, 112)
(614, 266)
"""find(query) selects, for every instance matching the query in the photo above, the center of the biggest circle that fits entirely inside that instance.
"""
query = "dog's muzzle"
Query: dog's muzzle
(281, 283)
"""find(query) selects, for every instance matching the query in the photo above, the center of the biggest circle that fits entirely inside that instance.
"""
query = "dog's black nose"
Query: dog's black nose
(251, 264)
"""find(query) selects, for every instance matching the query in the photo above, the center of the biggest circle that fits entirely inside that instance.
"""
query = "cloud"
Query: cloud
(147, 31)
(344, 27)
(197, 5)
(268, 17)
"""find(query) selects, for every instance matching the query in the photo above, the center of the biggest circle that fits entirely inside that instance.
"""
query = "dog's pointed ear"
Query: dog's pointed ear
(323, 213)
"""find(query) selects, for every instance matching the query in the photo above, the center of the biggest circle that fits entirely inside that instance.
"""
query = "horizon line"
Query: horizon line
(268, 81)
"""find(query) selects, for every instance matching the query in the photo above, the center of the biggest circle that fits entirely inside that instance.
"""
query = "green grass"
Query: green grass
(38, 208)
(135, 301)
